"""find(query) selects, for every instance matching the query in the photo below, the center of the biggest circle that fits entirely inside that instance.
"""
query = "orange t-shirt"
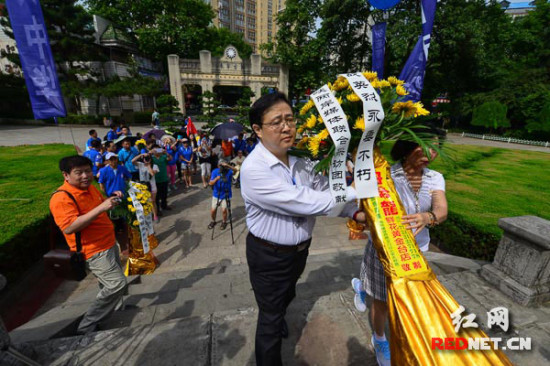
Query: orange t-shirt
(96, 237)
(227, 148)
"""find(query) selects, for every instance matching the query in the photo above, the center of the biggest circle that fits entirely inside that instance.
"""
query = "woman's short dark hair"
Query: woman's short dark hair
(402, 148)
(261, 106)
(68, 163)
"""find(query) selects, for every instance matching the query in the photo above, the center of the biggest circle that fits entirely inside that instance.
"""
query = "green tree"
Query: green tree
(71, 33)
(343, 34)
(542, 123)
(167, 104)
(491, 115)
(243, 105)
(295, 47)
(164, 27)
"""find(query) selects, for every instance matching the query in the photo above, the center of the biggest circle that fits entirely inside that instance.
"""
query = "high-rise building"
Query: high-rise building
(254, 19)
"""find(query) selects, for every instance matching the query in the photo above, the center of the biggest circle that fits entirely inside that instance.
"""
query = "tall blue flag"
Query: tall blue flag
(33, 44)
(378, 48)
(415, 68)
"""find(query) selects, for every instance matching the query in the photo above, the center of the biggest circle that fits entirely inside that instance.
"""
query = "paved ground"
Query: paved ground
(22, 135)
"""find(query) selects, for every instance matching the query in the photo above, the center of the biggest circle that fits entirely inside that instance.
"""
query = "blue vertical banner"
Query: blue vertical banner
(33, 45)
(415, 68)
(378, 48)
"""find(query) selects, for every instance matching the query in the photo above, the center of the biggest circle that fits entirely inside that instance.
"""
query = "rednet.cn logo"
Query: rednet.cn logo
(497, 316)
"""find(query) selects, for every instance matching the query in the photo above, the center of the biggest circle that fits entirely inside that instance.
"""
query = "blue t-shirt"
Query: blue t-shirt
(144, 151)
(111, 135)
(125, 157)
(114, 182)
(249, 148)
(239, 145)
(186, 153)
(221, 187)
(89, 143)
(95, 157)
(173, 153)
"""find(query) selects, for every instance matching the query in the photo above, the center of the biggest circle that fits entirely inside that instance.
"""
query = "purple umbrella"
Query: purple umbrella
(158, 133)
(227, 130)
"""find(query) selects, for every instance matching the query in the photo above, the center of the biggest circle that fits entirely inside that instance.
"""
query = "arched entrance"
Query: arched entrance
(229, 94)
(191, 94)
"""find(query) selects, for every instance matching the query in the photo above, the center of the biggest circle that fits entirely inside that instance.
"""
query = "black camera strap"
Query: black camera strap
(77, 234)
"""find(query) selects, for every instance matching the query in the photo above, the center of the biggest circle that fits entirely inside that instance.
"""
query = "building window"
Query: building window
(252, 35)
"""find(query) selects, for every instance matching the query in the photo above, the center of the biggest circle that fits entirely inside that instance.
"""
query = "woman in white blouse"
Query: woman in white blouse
(422, 192)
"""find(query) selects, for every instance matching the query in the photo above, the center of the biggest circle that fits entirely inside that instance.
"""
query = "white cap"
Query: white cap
(109, 155)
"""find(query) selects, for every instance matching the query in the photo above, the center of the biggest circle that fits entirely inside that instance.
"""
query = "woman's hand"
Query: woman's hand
(416, 221)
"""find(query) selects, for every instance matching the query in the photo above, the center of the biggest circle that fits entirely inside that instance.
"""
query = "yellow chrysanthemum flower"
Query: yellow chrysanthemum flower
(359, 124)
(400, 90)
(340, 100)
(375, 84)
(385, 84)
(395, 81)
(313, 146)
(306, 107)
(133, 209)
(129, 199)
(301, 129)
(130, 207)
(341, 83)
(311, 121)
(323, 134)
(407, 108)
(320, 120)
(302, 143)
(353, 98)
(370, 75)
(135, 223)
(330, 85)
(420, 110)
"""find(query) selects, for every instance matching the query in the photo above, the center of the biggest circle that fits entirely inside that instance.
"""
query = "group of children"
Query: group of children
(155, 162)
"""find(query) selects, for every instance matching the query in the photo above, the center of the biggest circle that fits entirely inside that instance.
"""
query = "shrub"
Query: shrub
(491, 115)
(142, 117)
(80, 119)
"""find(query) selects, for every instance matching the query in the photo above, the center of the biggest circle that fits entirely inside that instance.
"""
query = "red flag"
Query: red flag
(191, 129)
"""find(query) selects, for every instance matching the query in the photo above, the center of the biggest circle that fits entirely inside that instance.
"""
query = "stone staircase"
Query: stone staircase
(207, 316)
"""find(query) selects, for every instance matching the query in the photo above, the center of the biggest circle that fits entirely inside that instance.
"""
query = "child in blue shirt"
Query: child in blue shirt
(95, 157)
(221, 184)
(93, 136)
(113, 177)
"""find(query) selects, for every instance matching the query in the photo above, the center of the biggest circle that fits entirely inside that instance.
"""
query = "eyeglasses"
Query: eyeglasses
(279, 126)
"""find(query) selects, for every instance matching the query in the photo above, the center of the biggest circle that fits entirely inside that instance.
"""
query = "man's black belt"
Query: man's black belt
(283, 248)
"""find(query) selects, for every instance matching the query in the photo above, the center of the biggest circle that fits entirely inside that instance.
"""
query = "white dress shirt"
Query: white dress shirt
(281, 202)
(420, 202)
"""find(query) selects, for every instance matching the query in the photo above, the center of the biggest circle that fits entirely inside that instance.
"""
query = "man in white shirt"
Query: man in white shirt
(282, 196)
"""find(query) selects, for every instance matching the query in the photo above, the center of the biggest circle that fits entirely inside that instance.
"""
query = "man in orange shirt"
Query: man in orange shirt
(87, 214)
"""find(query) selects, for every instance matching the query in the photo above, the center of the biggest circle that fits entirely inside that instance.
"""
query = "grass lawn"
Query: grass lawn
(484, 184)
(28, 176)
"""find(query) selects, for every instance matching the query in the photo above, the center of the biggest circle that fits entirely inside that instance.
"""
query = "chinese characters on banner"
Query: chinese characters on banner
(373, 113)
(145, 222)
(403, 253)
(337, 126)
(33, 44)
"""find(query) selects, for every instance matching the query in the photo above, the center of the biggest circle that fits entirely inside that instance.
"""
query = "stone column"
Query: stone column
(206, 62)
(174, 75)
(283, 79)
(255, 64)
(521, 268)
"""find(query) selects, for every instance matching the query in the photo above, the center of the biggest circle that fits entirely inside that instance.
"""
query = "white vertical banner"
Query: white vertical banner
(373, 114)
(337, 125)
(145, 221)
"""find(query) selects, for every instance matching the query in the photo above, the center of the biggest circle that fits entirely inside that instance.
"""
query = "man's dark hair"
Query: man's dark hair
(112, 126)
(241, 135)
(402, 148)
(68, 163)
(95, 144)
(91, 132)
(108, 144)
(261, 106)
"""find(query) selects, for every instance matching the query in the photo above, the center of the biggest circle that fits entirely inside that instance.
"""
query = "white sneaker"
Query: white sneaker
(359, 299)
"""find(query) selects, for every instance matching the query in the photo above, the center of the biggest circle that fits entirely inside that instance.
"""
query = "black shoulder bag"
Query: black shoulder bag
(65, 263)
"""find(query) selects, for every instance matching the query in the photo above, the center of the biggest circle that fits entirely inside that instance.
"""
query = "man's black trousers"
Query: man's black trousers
(273, 275)
(162, 195)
